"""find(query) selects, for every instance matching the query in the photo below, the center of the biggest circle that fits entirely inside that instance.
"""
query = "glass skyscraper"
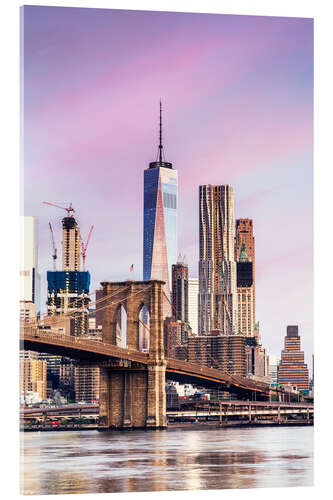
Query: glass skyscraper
(160, 238)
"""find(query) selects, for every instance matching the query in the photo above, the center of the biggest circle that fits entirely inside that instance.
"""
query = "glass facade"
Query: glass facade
(160, 222)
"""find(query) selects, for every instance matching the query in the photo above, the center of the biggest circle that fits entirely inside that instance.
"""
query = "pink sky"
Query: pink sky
(237, 93)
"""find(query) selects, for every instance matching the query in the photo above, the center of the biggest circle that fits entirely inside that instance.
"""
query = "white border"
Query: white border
(323, 226)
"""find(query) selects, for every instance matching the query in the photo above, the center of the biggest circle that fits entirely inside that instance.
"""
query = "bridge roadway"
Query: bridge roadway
(99, 352)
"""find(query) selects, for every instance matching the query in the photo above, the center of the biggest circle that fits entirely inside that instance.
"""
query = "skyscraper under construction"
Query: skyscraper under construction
(68, 289)
(71, 245)
(217, 266)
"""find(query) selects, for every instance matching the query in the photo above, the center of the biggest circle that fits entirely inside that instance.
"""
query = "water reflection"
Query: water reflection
(93, 462)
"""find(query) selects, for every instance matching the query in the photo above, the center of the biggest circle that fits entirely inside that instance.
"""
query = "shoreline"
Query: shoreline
(179, 425)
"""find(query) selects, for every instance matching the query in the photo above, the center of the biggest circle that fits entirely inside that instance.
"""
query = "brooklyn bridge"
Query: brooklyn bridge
(132, 382)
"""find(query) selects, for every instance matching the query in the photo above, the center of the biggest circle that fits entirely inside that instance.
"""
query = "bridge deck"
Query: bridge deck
(97, 351)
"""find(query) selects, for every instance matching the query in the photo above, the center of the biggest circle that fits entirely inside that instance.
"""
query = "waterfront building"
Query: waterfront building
(218, 308)
(160, 221)
(274, 362)
(193, 298)
(87, 383)
(32, 375)
(292, 369)
(53, 366)
(172, 397)
(66, 385)
(244, 234)
(245, 293)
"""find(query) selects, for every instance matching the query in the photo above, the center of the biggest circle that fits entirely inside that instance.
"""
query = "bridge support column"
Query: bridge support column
(156, 397)
(132, 398)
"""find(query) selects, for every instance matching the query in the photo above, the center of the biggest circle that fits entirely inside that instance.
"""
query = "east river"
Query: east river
(177, 459)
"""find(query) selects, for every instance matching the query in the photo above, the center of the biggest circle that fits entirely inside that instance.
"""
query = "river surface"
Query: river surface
(174, 459)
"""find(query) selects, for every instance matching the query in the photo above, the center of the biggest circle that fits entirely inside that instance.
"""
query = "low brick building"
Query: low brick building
(224, 352)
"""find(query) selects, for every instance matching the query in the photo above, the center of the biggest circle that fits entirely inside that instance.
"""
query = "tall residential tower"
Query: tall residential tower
(244, 236)
(217, 266)
(245, 294)
(160, 218)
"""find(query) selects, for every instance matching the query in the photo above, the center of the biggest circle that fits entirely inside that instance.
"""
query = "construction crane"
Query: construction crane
(84, 248)
(54, 255)
(70, 210)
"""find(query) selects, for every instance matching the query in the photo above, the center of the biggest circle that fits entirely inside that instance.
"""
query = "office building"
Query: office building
(66, 385)
(87, 383)
(176, 334)
(180, 290)
(274, 362)
(27, 312)
(257, 362)
(218, 308)
(244, 235)
(193, 299)
(29, 275)
(292, 369)
(160, 221)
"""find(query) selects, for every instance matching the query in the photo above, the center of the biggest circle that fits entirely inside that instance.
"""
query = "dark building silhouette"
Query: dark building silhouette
(180, 290)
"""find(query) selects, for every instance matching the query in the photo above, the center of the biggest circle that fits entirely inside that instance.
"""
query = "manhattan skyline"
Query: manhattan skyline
(238, 104)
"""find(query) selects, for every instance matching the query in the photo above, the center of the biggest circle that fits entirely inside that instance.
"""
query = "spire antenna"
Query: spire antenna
(160, 147)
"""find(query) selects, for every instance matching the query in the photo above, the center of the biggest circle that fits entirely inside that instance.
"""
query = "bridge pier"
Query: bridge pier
(133, 396)
(133, 399)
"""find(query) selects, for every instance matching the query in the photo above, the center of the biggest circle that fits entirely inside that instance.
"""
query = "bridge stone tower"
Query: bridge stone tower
(132, 395)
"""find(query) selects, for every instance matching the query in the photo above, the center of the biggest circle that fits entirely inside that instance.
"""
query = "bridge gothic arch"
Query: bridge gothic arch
(143, 316)
(120, 325)
(142, 302)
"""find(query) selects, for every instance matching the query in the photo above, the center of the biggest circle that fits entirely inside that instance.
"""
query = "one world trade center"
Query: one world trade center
(160, 218)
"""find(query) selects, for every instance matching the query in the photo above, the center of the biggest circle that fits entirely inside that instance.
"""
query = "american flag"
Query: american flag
(131, 268)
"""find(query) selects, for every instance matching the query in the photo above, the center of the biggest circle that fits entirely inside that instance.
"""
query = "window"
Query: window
(169, 200)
